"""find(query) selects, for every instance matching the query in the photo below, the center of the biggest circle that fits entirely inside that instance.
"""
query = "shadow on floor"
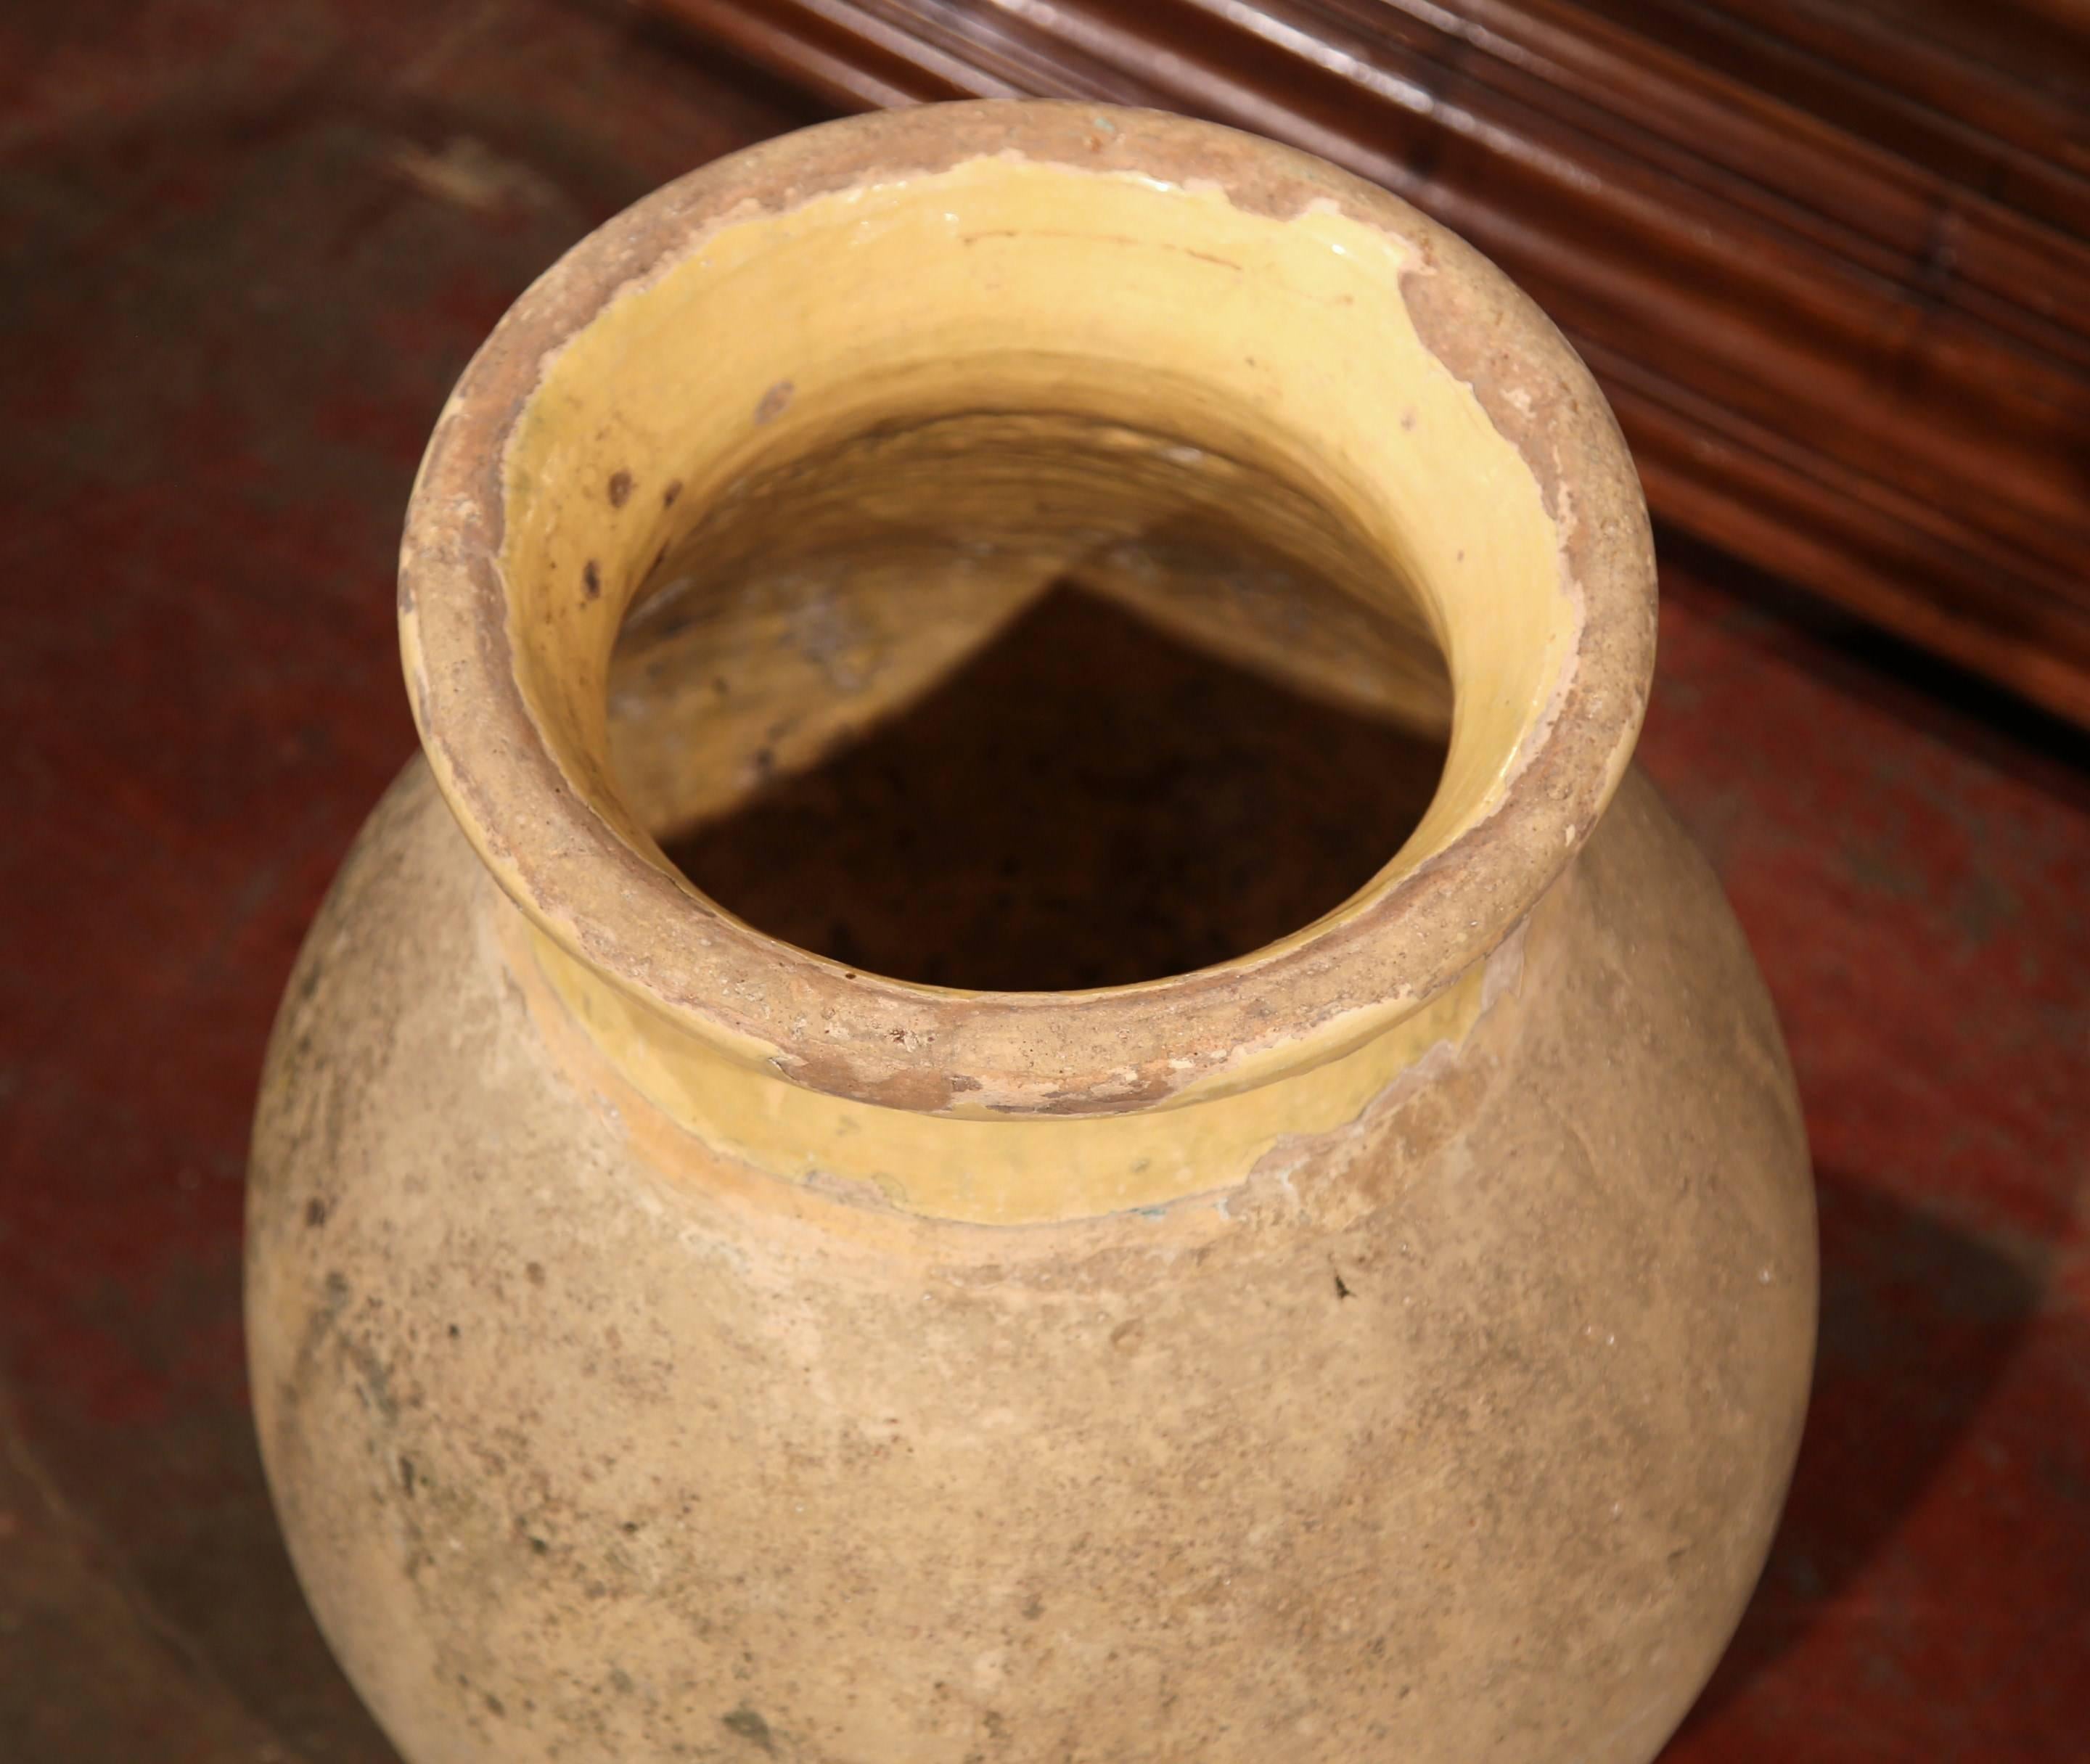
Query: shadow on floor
(1919, 1321)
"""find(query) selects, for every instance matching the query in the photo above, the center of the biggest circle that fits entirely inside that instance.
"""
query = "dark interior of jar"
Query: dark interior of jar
(1027, 704)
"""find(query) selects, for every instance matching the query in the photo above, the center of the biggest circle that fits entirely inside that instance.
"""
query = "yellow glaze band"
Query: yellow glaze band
(992, 1171)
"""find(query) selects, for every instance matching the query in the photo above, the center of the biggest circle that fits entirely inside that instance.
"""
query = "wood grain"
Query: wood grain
(1830, 258)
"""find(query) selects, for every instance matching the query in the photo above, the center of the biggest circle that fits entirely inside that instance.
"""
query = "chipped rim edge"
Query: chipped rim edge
(814, 1021)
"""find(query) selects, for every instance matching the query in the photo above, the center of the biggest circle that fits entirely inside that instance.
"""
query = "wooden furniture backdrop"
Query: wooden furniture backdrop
(1830, 258)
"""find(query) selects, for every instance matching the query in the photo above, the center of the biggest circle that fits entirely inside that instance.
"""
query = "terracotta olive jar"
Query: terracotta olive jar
(669, 1343)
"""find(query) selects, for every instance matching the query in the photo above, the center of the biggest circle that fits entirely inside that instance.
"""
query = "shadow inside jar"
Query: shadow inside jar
(1086, 802)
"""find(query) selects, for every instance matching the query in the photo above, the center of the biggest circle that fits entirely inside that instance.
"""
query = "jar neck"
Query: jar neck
(979, 1168)
(1175, 318)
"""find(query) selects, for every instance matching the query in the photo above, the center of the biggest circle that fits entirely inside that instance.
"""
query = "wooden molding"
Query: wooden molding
(1830, 258)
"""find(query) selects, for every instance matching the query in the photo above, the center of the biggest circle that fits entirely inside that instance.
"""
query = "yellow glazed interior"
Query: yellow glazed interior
(817, 423)
(1210, 347)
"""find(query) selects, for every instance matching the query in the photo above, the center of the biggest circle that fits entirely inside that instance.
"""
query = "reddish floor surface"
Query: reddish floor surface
(243, 251)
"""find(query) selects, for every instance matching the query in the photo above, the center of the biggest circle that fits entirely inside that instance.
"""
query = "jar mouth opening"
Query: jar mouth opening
(1204, 324)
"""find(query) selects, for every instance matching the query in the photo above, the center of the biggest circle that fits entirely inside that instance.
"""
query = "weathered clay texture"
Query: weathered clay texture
(1458, 1433)
(668, 1343)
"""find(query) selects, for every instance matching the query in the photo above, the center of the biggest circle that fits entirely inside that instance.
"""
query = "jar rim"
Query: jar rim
(814, 1021)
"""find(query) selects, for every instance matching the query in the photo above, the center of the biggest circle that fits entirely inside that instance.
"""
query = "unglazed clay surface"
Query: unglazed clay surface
(667, 1342)
(1455, 1430)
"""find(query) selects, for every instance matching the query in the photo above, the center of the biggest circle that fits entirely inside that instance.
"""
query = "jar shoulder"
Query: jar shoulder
(1518, 1355)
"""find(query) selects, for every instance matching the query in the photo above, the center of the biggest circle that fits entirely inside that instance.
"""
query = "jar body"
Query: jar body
(1458, 1430)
